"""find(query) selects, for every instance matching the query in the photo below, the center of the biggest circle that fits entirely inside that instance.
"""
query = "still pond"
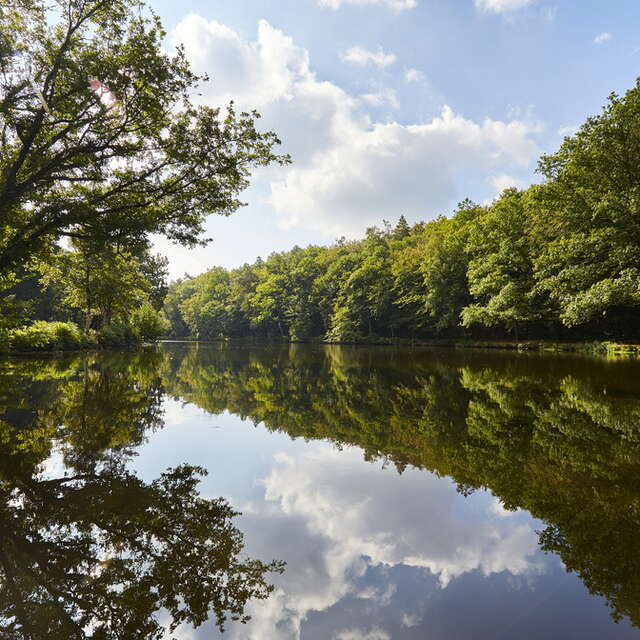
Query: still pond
(384, 494)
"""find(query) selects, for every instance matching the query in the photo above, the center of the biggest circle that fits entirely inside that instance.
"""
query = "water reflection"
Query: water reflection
(378, 548)
(558, 437)
(93, 542)
(87, 549)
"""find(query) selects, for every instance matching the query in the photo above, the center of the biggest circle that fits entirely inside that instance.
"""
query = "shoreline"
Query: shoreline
(603, 348)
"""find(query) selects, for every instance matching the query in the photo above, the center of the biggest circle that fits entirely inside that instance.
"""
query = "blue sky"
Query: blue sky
(393, 107)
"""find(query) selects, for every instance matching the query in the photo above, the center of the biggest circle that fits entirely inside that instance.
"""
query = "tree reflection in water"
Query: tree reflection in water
(87, 549)
(559, 437)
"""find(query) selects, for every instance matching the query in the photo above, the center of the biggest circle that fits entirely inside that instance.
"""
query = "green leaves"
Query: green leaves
(95, 551)
(153, 164)
(500, 270)
(589, 254)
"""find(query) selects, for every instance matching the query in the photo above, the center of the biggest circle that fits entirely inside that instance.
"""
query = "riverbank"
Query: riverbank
(59, 336)
(596, 348)
(602, 348)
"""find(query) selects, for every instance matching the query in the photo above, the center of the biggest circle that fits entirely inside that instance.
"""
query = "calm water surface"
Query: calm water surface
(411, 494)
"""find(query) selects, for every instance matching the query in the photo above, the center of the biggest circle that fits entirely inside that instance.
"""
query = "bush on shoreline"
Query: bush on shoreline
(47, 336)
(146, 325)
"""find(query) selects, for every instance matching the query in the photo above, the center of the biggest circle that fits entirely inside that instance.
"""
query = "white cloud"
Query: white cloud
(357, 634)
(256, 73)
(501, 6)
(362, 57)
(381, 98)
(349, 171)
(331, 518)
(505, 181)
(395, 5)
(409, 620)
(54, 466)
(603, 37)
(497, 508)
(568, 130)
(366, 512)
(414, 75)
(374, 170)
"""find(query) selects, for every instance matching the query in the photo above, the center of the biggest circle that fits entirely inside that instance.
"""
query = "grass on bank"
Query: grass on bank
(46, 336)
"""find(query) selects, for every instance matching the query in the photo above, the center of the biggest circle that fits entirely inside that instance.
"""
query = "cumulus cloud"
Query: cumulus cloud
(409, 620)
(414, 75)
(349, 170)
(568, 130)
(333, 517)
(365, 512)
(505, 181)
(603, 37)
(382, 98)
(362, 57)
(358, 634)
(374, 170)
(501, 6)
(395, 5)
(497, 508)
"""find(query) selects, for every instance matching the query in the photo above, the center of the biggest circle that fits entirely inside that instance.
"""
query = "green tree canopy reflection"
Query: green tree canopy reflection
(559, 437)
(90, 550)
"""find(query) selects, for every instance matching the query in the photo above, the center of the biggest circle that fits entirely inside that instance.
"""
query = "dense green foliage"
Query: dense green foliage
(110, 168)
(556, 436)
(42, 335)
(88, 549)
(559, 259)
(114, 296)
(102, 145)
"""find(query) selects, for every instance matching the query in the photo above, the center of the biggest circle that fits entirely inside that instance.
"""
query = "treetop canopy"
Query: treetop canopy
(71, 166)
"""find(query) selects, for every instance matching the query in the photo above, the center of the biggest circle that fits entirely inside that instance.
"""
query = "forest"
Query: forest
(559, 260)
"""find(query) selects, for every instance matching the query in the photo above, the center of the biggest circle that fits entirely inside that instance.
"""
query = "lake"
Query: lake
(385, 493)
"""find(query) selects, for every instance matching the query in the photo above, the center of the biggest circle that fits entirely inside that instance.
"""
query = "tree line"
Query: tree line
(560, 260)
(87, 295)
(84, 185)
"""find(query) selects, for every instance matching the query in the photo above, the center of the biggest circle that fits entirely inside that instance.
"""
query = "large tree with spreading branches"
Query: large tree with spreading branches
(99, 136)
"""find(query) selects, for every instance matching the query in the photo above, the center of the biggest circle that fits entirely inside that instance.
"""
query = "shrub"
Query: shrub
(148, 323)
(118, 334)
(46, 336)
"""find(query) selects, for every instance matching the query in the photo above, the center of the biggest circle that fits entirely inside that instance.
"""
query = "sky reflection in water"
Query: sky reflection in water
(373, 554)
(372, 472)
